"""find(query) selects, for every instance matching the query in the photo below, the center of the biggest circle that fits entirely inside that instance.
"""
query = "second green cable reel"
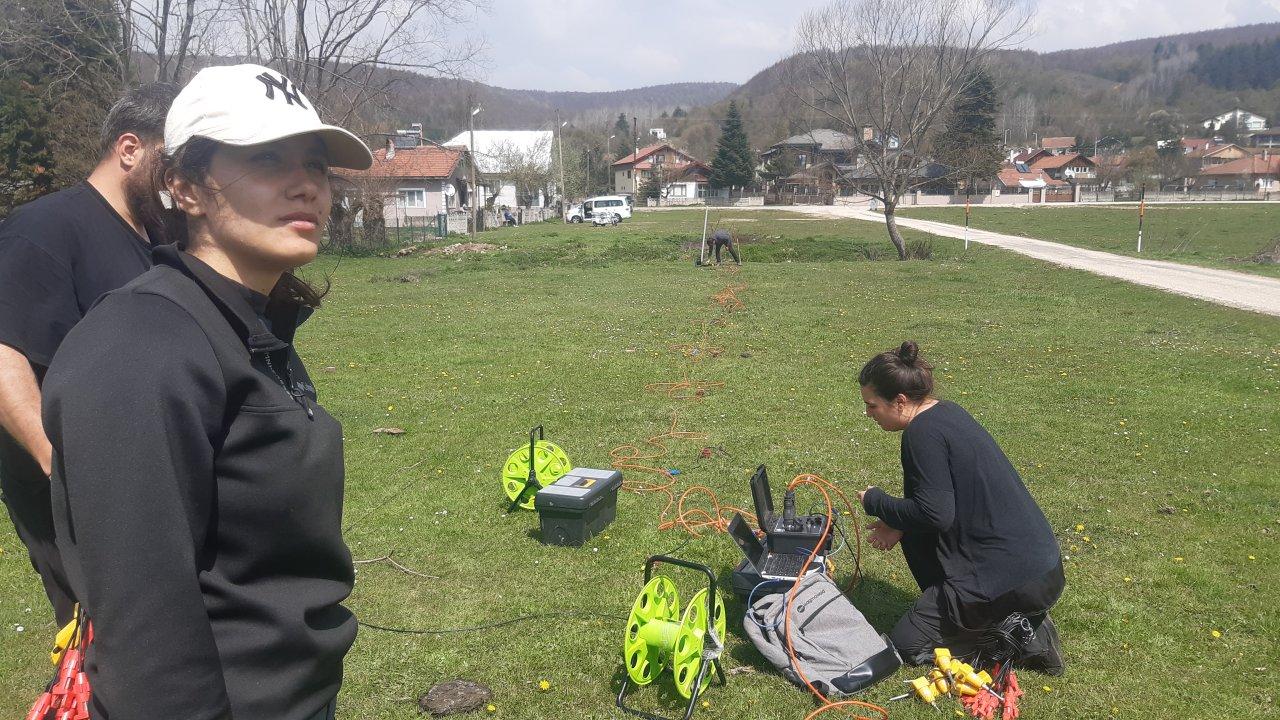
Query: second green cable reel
(531, 468)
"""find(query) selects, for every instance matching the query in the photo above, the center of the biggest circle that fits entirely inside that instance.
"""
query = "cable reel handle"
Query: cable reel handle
(533, 442)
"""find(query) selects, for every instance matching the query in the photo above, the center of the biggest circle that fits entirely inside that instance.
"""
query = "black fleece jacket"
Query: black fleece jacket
(197, 494)
(968, 522)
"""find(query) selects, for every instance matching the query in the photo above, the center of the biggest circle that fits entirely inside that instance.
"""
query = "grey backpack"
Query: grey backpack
(837, 649)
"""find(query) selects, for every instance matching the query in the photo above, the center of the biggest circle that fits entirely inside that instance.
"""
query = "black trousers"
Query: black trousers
(726, 244)
(25, 491)
(937, 620)
(327, 712)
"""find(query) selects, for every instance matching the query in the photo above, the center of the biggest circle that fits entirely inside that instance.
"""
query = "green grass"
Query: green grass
(1114, 402)
(1223, 236)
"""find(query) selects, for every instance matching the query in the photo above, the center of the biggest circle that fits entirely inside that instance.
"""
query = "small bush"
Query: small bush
(920, 250)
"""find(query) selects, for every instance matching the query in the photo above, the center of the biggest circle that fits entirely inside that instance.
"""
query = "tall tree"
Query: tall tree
(970, 146)
(622, 140)
(894, 67)
(734, 163)
(781, 165)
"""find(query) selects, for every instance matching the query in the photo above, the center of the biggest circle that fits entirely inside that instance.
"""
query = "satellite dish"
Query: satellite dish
(450, 190)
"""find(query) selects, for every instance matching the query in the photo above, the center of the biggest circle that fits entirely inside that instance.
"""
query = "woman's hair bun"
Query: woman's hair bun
(908, 352)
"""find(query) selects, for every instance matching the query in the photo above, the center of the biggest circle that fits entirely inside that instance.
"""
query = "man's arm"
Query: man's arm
(20, 406)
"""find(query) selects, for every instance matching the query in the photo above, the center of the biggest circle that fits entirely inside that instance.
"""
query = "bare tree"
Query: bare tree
(886, 71)
(335, 49)
(529, 168)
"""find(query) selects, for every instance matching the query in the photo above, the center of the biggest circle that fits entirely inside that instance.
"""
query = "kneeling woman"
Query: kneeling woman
(197, 483)
(975, 540)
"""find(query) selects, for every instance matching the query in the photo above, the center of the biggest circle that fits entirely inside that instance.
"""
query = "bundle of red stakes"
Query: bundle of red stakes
(67, 697)
(984, 705)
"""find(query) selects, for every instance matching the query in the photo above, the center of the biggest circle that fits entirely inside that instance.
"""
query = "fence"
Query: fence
(366, 235)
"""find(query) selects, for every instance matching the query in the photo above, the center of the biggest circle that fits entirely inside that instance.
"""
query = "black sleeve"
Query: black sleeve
(932, 506)
(37, 299)
(132, 406)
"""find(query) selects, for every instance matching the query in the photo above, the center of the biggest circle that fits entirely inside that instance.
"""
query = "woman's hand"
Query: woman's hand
(882, 536)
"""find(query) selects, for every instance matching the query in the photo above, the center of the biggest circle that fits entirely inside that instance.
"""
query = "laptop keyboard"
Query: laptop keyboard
(784, 565)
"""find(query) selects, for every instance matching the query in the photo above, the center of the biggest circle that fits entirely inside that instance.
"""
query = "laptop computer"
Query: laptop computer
(762, 496)
(770, 566)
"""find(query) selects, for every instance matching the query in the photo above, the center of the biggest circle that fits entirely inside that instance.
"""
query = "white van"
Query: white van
(610, 204)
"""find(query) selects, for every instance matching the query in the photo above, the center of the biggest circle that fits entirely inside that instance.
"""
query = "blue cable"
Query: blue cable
(751, 601)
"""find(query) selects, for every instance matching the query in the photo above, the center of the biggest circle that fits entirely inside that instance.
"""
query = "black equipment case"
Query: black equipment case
(578, 505)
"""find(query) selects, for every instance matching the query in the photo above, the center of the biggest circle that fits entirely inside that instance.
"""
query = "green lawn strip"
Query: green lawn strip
(1115, 402)
(1221, 236)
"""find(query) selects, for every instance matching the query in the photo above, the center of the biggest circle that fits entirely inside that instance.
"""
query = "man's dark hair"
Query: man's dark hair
(141, 111)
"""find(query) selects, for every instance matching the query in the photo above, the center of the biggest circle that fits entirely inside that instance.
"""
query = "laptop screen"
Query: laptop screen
(746, 540)
(762, 495)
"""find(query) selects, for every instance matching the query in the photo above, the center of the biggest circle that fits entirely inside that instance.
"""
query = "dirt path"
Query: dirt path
(1225, 287)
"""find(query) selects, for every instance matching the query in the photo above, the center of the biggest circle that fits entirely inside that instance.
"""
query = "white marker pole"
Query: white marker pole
(702, 251)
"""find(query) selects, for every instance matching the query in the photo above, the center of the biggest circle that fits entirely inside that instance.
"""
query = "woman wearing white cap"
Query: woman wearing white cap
(197, 482)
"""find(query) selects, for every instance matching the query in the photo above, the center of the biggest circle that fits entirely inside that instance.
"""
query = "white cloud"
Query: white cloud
(616, 44)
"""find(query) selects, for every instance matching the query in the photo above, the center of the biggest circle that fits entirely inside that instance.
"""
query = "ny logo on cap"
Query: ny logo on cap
(290, 92)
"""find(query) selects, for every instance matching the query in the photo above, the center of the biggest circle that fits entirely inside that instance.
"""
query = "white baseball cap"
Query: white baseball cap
(251, 105)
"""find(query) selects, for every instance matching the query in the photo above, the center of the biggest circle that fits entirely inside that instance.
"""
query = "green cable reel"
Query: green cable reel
(521, 479)
(656, 639)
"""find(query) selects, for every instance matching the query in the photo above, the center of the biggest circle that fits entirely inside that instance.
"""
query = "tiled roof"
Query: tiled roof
(1253, 165)
(643, 153)
(825, 140)
(1010, 177)
(425, 161)
(1053, 162)
(1057, 143)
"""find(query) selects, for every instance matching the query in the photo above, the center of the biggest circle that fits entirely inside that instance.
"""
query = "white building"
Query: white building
(496, 151)
(658, 133)
(1244, 120)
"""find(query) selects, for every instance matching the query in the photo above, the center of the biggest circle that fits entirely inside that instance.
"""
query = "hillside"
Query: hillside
(1091, 92)
(441, 104)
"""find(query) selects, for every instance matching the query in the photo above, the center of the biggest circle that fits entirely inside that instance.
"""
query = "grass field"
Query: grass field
(1223, 236)
(1149, 419)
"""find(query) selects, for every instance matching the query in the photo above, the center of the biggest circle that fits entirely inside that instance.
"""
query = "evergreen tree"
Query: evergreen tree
(970, 145)
(734, 163)
(623, 143)
(679, 112)
(652, 186)
(26, 153)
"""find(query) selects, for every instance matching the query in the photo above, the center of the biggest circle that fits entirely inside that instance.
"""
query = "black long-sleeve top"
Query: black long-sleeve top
(967, 519)
(197, 496)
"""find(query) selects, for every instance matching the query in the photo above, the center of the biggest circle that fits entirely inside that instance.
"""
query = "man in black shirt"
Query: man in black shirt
(58, 254)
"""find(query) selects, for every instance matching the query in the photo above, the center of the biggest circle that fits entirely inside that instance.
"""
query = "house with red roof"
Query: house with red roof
(1075, 168)
(1058, 145)
(630, 172)
(1259, 172)
(415, 179)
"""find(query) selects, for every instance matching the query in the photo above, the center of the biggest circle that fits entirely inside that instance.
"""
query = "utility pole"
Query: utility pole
(635, 174)
(471, 127)
(560, 142)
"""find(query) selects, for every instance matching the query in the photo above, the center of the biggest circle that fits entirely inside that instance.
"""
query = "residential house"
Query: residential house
(1242, 120)
(1063, 145)
(509, 161)
(630, 172)
(1216, 153)
(1258, 172)
(1268, 138)
(1075, 168)
(1019, 178)
(412, 183)
(1113, 169)
(814, 148)
(658, 133)
(688, 184)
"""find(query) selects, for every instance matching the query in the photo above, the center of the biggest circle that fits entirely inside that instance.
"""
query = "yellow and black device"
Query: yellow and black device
(578, 505)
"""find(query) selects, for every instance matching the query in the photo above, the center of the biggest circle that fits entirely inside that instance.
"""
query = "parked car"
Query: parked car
(609, 204)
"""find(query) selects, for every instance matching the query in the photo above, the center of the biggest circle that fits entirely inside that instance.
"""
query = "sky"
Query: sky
(595, 45)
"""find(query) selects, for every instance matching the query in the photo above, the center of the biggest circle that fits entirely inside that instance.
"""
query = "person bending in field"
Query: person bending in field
(722, 238)
(975, 540)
